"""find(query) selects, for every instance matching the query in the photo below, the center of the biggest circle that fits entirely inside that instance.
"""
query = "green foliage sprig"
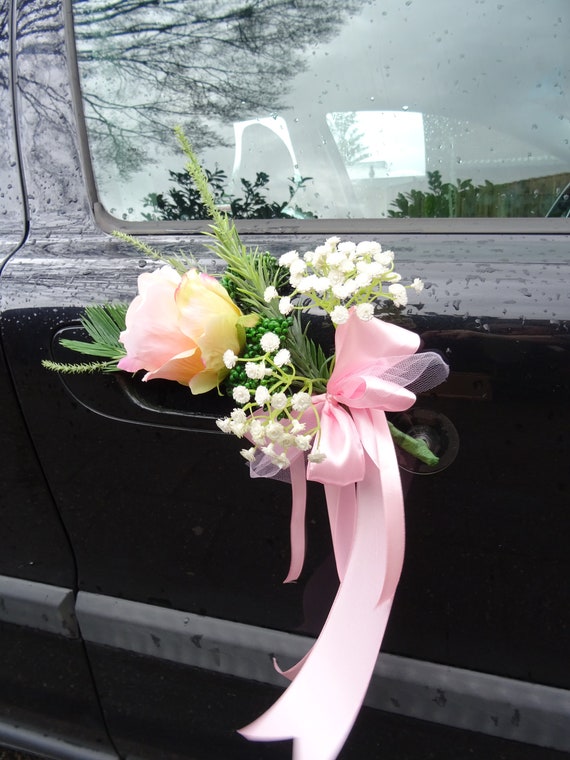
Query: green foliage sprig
(250, 272)
(103, 324)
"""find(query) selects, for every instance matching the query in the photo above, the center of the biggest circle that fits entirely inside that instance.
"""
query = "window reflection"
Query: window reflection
(375, 102)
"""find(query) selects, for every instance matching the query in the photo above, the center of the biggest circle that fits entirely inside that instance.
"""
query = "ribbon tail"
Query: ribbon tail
(320, 706)
(341, 506)
(374, 432)
(297, 528)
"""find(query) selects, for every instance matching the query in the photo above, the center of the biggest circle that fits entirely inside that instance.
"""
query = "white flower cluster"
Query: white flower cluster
(269, 414)
(338, 275)
(274, 427)
(274, 400)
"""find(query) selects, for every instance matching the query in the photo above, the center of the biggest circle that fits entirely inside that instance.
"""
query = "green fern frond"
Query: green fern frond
(81, 368)
(103, 324)
(249, 271)
(180, 263)
(308, 356)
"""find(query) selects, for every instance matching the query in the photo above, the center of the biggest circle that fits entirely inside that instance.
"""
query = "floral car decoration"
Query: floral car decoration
(298, 411)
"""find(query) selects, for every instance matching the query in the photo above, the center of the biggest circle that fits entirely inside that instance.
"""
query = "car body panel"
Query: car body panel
(159, 510)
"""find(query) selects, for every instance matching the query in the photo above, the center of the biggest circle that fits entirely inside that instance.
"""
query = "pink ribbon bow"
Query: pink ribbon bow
(374, 361)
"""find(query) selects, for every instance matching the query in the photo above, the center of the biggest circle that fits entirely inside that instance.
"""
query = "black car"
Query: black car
(141, 595)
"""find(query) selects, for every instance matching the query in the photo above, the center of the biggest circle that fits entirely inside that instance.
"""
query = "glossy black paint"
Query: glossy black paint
(133, 487)
(44, 681)
(210, 705)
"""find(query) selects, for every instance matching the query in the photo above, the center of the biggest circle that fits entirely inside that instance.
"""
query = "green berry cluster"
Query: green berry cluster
(278, 325)
(230, 286)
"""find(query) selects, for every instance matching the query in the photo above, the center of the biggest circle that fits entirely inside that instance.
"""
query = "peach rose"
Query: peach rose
(179, 327)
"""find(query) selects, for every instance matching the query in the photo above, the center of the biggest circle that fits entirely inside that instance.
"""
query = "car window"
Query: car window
(12, 214)
(395, 108)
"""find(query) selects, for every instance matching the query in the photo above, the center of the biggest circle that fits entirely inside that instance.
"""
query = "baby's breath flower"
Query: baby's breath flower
(399, 294)
(281, 460)
(300, 401)
(240, 394)
(386, 258)
(298, 266)
(340, 291)
(339, 315)
(256, 370)
(239, 429)
(376, 269)
(335, 258)
(336, 277)
(417, 285)
(262, 395)
(303, 442)
(363, 280)
(322, 284)
(368, 248)
(279, 400)
(287, 440)
(268, 450)
(317, 457)
(285, 305)
(224, 425)
(351, 285)
(230, 359)
(269, 342)
(282, 357)
(288, 258)
(270, 293)
(295, 279)
(365, 311)
(274, 431)
(248, 454)
(297, 427)
(347, 246)
(318, 256)
(238, 416)
(257, 432)
(307, 283)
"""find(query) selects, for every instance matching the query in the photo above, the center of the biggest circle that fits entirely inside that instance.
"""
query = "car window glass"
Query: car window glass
(301, 109)
(11, 203)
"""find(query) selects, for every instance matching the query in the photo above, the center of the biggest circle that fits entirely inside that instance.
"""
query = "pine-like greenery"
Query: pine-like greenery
(103, 324)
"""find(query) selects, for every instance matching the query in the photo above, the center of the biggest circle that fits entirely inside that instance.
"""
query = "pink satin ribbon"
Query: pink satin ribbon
(366, 515)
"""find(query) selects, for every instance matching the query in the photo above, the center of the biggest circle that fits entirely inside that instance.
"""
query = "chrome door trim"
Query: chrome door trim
(38, 605)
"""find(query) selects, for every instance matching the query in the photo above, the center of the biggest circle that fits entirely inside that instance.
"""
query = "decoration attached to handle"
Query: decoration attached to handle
(366, 516)
(307, 415)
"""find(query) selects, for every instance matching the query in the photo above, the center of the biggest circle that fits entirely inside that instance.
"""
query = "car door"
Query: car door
(180, 556)
(47, 695)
